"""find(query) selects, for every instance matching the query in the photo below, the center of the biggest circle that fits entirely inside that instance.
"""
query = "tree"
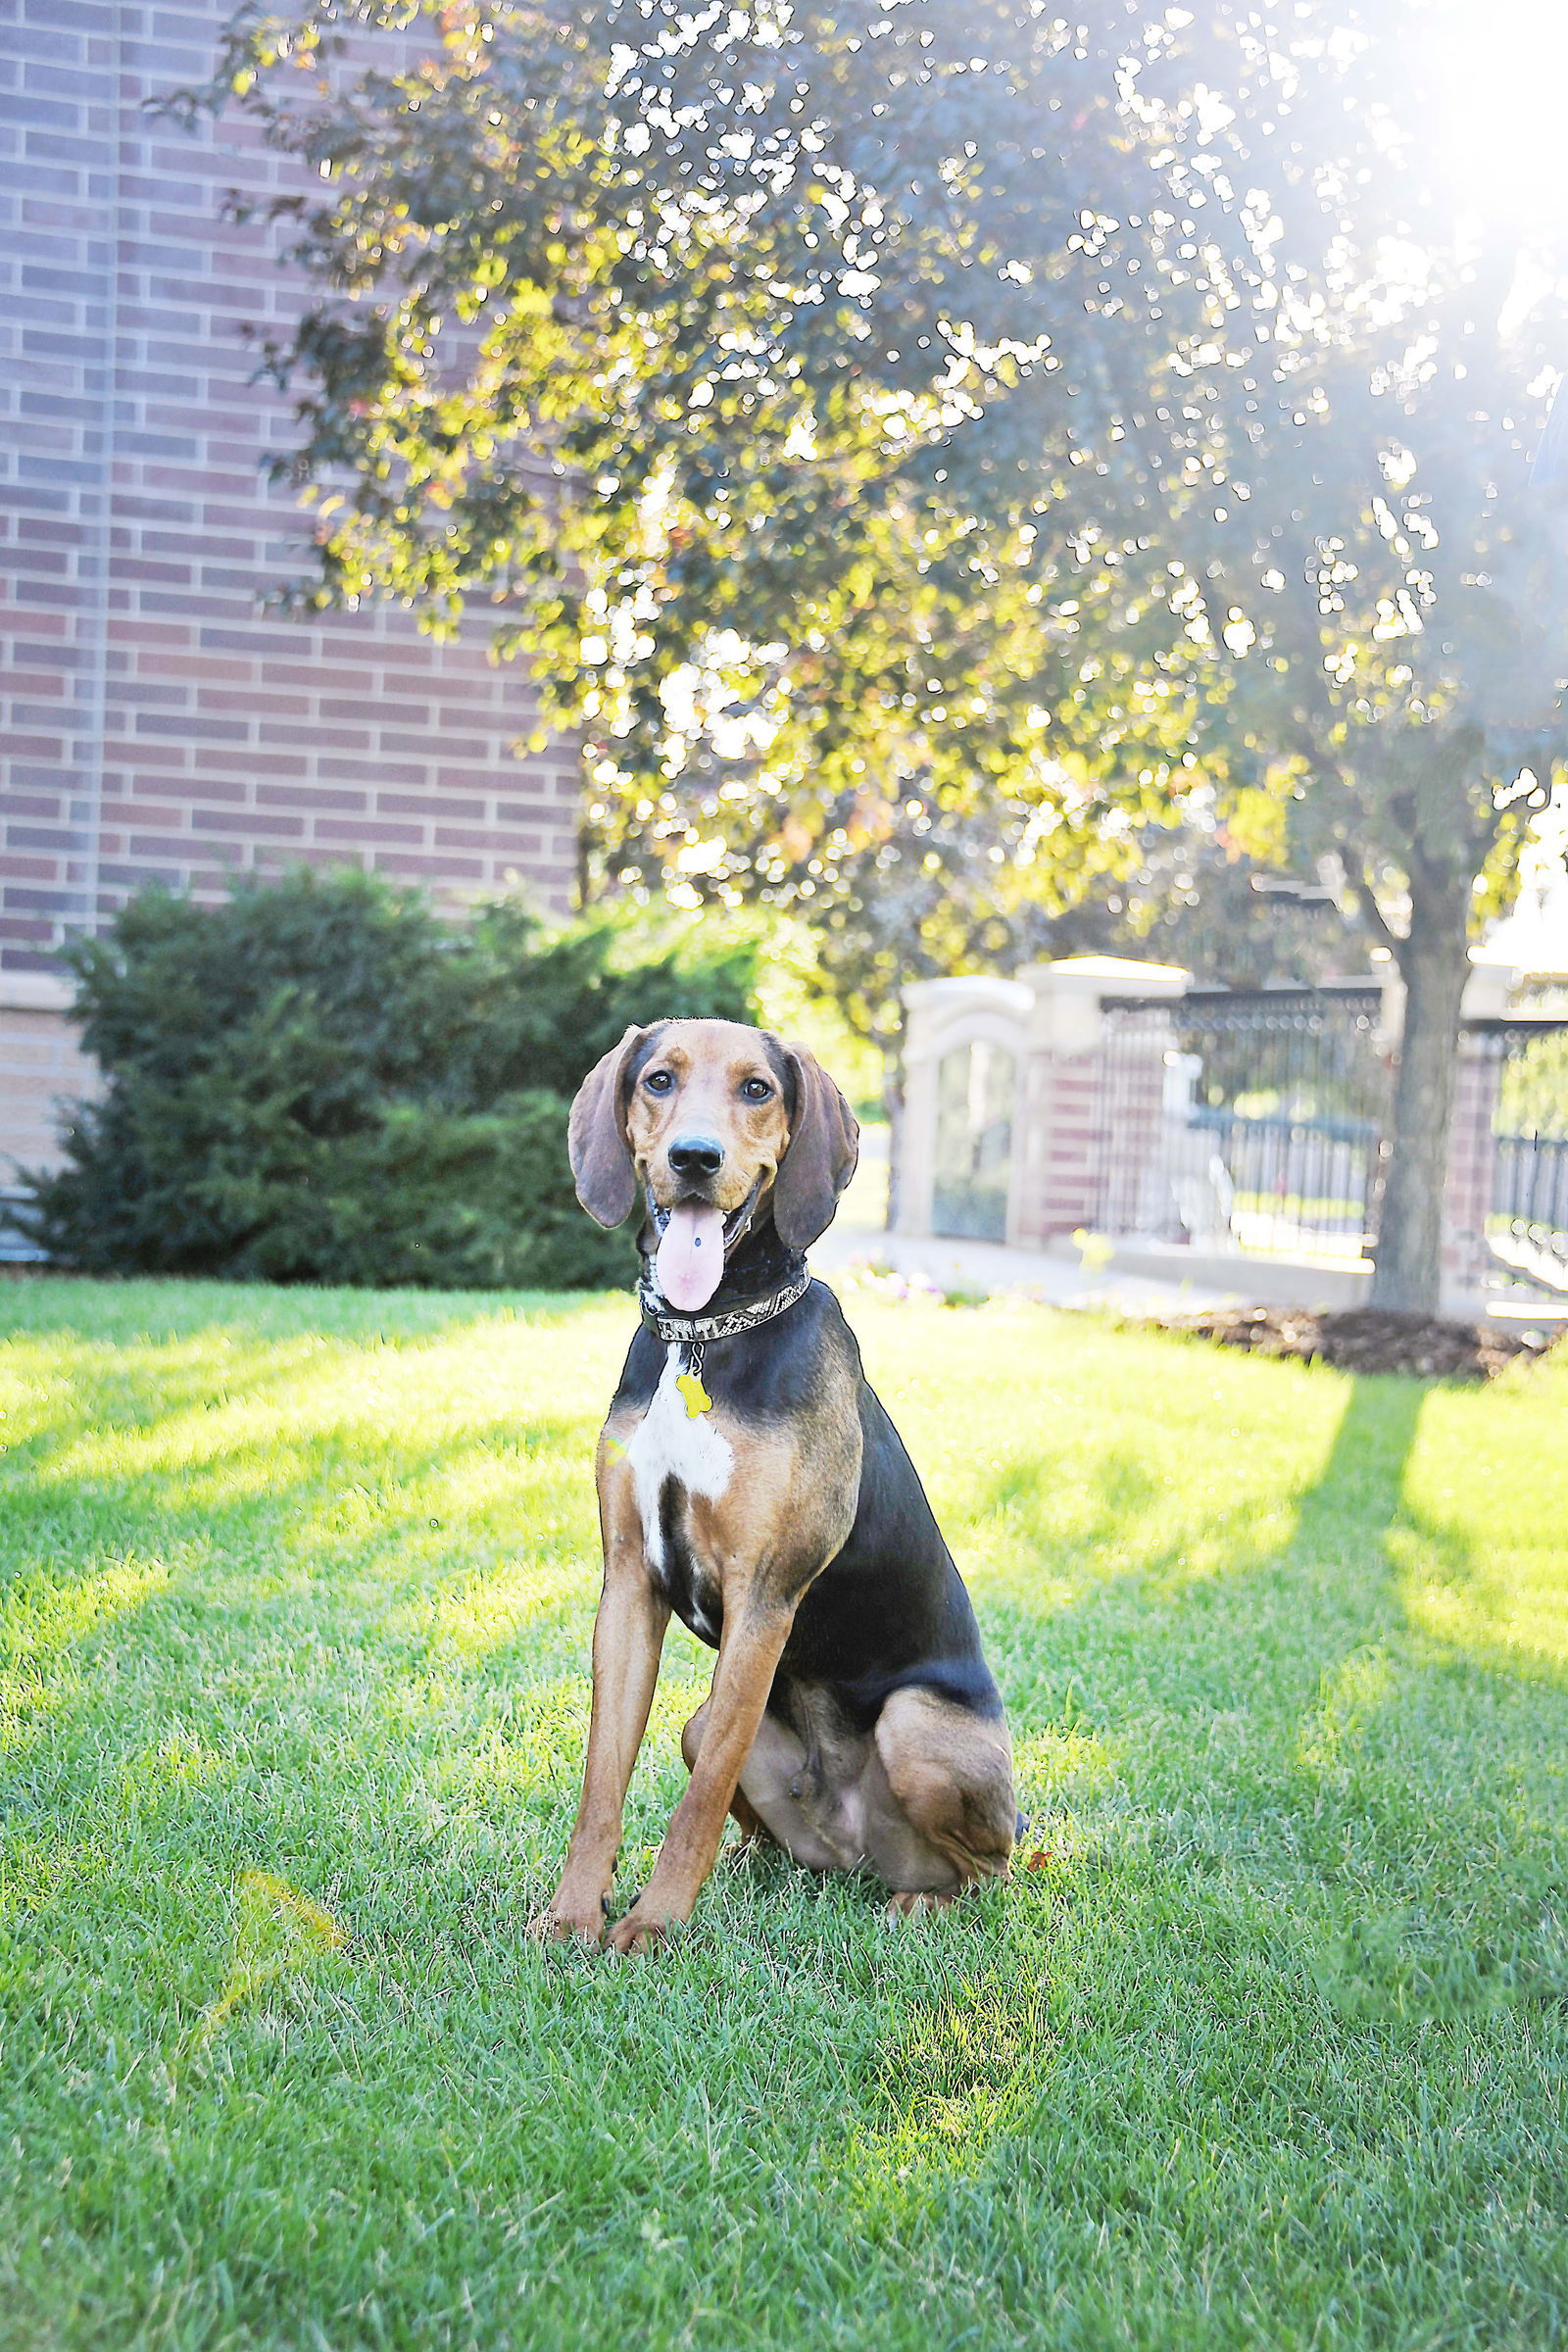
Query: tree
(950, 425)
(1362, 539)
(1331, 497)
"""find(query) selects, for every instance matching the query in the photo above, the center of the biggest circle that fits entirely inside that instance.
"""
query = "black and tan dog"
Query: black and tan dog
(750, 1479)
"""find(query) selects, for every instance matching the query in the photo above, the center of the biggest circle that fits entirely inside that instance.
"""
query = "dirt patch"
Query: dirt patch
(1362, 1338)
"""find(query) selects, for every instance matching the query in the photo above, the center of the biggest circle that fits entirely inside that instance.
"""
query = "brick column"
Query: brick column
(1060, 1143)
(1467, 1259)
(1077, 1172)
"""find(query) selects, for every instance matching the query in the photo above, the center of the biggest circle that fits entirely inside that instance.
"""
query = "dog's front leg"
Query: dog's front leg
(750, 1648)
(628, 1636)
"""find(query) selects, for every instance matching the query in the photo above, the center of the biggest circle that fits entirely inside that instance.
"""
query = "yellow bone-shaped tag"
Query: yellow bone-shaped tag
(698, 1400)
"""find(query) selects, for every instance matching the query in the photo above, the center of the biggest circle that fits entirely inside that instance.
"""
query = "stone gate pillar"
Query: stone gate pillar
(943, 1017)
(1052, 1019)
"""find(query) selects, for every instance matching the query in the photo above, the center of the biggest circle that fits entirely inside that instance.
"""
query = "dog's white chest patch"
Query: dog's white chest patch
(671, 1443)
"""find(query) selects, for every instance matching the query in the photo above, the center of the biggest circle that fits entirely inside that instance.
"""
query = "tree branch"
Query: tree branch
(1372, 914)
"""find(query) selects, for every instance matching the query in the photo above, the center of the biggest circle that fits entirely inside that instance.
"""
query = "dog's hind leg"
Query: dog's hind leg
(752, 1825)
(766, 1803)
(950, 1774)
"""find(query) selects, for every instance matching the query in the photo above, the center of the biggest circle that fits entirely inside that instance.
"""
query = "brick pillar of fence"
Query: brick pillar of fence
(1061, 1145)
(1057, 1140)
(1093, 1134)
(1052, 1019)
(1467, 1259)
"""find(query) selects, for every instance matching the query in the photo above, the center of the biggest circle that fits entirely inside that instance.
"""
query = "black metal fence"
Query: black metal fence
(1245, 1121)
(1256, 1121)
(1530, 1199)
(1524, 1065)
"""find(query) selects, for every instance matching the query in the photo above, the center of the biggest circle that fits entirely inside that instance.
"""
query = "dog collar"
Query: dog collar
(690, 1330)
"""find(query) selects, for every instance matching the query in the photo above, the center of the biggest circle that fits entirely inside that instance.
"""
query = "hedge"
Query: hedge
(322, 1080)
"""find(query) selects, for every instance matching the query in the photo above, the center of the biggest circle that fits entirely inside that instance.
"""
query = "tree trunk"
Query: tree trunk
(1434, 964)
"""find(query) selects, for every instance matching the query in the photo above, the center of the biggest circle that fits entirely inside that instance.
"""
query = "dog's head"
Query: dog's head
(717, 1123)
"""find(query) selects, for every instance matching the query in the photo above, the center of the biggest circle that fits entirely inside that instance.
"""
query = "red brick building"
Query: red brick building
(156, 720)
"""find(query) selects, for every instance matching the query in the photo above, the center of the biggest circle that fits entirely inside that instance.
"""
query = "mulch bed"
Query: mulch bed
(1363, 1339)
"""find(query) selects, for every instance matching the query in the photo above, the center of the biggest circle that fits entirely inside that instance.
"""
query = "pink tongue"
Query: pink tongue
(691, 1256)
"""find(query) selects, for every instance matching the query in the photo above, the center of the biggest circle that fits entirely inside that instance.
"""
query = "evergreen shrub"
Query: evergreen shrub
(322, 1080)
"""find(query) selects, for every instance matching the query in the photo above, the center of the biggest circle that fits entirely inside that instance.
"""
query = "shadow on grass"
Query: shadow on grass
(354, 1567)
(1257, 1787)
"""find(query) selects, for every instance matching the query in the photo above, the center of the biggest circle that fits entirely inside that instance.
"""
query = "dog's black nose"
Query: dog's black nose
(696, 1155)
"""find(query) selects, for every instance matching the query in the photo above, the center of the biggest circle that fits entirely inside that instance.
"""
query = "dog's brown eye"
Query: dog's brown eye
(756, 1090)
(658, 1082)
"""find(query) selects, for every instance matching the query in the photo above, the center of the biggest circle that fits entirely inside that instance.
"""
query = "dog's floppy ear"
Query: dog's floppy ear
(823, 1146)
(596, 1136)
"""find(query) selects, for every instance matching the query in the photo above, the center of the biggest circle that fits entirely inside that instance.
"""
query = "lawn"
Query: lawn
(1264, 2047)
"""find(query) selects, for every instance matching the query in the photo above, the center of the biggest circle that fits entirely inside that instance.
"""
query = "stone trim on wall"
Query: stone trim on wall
(42, 1071)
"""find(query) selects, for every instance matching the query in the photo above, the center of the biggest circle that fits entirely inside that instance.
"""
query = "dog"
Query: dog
(750, 1480)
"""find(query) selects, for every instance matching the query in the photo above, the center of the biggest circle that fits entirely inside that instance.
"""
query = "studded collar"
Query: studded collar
(729, 1322)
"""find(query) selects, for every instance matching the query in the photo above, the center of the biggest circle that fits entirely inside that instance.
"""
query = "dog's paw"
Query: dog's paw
(641, 1933)
(567, 1923)
(907, 1906)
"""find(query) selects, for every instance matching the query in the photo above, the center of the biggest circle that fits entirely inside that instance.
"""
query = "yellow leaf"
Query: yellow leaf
(278, 1929)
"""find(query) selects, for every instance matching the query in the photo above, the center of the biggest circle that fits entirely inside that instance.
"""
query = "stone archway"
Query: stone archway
(976, 1086)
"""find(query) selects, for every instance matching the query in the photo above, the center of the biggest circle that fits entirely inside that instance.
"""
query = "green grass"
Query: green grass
(1265, 2049)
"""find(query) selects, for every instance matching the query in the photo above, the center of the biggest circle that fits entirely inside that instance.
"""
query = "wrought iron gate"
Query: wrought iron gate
(1245, 1121)
(1528, 1225)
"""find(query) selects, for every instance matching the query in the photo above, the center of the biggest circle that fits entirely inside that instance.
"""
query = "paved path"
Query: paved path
(954, 1265)
(858, 1234)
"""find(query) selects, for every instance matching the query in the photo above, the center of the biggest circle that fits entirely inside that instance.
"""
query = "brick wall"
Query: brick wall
(1467, 1258)
(156, 721)
(1061, 1145)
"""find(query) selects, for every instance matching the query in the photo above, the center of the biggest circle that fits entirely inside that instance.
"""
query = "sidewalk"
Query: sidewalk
(860, 1234)
(986, 1266)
